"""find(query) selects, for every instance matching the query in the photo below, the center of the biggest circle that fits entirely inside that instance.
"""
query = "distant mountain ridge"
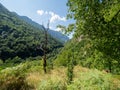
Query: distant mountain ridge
(55, 34)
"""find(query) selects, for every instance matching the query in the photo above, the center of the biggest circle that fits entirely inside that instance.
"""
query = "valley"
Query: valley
(34, 56)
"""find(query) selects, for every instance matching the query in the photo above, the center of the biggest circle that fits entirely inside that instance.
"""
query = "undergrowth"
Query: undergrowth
(30, 76)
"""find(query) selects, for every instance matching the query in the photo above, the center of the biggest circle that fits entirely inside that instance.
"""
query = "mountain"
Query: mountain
(19, 38)
(58, 35)
(55, 34)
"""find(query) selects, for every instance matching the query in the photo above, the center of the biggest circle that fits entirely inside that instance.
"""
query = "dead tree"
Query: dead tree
(44, 47)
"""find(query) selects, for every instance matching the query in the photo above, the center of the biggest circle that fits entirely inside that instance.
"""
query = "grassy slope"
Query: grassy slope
(30, 76)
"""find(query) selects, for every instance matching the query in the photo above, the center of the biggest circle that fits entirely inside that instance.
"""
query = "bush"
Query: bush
(14, 83)
(13, 78)
(93, 80)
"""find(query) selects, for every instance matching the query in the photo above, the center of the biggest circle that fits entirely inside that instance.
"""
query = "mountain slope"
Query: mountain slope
(55, 34)
(19, 38)
(58, 35)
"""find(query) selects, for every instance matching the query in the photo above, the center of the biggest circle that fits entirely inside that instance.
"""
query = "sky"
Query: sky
(41, 11)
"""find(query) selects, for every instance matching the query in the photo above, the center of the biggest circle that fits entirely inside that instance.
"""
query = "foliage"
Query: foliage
(101, 25)
(92, 80)
(67, 54)
(29, 75)
(85, 55)
(80, 50)
(96, 34)
(18, 77)
(14, 78)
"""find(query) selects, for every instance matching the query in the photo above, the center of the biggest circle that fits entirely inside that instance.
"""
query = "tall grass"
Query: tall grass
(53, 80)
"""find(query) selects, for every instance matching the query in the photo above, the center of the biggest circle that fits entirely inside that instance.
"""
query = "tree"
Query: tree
(98, 20)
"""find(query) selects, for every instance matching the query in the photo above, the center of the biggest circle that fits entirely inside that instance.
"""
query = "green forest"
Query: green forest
(33, 59)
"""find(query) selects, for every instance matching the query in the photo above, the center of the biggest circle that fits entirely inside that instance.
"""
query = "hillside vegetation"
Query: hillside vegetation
(18, 38)
(30, 76)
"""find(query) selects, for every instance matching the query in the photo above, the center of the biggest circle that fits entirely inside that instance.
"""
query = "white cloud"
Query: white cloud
(58, 29)
(40, 12)
(53, 17)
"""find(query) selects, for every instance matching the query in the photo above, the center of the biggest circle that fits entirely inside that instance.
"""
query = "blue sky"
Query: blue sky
(40, 10)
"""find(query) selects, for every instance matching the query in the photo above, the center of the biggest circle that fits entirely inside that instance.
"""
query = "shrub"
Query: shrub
(14, 78)
(93, 80)
(14, 83)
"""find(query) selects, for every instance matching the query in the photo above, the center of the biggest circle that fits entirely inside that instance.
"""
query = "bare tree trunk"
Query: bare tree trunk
(44, 63)
(45, 48)
(110, 66)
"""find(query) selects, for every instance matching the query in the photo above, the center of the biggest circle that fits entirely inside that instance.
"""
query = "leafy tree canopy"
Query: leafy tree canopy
(98, 20)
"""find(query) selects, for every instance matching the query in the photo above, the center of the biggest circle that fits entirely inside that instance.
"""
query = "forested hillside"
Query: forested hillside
(18, 38)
